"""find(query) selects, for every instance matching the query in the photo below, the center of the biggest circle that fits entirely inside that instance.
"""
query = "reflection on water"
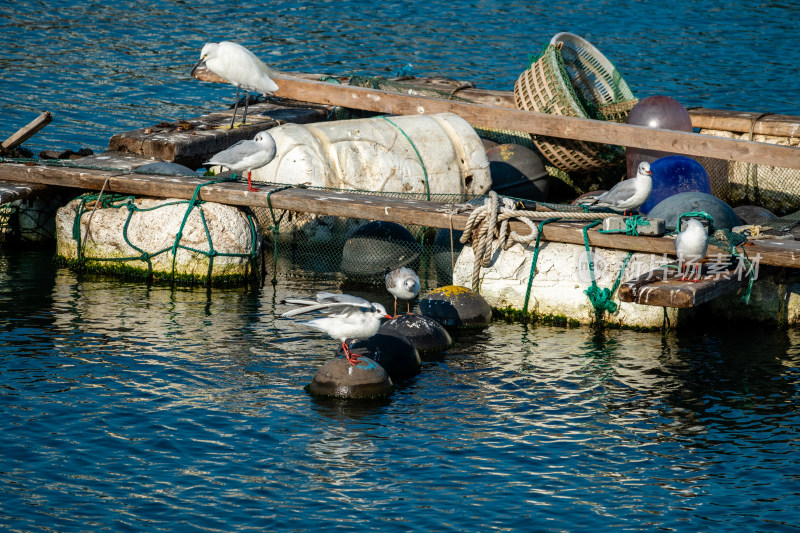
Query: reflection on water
(130, 406)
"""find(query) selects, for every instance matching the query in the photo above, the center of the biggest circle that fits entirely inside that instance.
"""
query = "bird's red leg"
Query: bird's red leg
(250, 183)
(352, 358)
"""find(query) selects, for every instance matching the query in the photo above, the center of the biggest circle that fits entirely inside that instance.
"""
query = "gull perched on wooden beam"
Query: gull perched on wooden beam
(240, 67)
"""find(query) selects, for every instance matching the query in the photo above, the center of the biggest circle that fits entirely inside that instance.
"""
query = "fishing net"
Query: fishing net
(739, 183)
(357, 250)
(8, 212)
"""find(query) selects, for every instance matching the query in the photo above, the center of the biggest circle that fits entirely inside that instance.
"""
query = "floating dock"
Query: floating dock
(190, 142)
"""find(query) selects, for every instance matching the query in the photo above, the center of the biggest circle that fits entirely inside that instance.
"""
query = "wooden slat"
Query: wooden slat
(27, 131)
(403, 211)
(11, 190)
(191, 142)
(664, 288)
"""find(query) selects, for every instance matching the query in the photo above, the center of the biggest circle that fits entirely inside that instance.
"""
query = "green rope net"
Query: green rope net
(89, 203)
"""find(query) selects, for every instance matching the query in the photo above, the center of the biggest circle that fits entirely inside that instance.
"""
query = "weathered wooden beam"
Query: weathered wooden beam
(781, 253)
(664, 288)
(541, 123)
(716, 119)
(27, 131)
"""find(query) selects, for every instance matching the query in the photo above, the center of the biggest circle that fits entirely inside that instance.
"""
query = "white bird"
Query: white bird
(629, 194)
(240, 67)
(690, 246)
(244, 156)
(402, 283)
(349, 317)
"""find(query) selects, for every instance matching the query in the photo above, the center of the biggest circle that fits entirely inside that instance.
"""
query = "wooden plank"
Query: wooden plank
(28, 131)
(782, 253)
(778, 125)
(542, 124)
(664, 288)
(191, 142)
(11, 191)
(741, 122)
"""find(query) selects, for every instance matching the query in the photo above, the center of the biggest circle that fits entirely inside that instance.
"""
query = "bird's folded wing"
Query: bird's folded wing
(620, 193)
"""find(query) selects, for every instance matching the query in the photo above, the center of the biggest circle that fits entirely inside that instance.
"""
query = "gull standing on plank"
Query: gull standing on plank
(629, 194)
(691, 245)
(402, 283)
(350, 317)
(244, 156)
(240, 67)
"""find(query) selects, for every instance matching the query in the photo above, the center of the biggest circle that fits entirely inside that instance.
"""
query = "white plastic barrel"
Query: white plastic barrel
(394, 154)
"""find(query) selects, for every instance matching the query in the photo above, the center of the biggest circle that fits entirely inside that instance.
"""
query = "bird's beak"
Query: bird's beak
(199, 61)
(387, 316)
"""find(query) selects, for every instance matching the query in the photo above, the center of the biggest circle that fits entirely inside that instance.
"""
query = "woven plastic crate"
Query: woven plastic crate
(594, 78)
(572, 78)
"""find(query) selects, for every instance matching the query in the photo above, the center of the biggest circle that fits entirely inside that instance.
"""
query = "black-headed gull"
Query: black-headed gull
(629, 194)
(402, 283)
(240, 67)
(690, 246)
(244, 156)
(349, 317)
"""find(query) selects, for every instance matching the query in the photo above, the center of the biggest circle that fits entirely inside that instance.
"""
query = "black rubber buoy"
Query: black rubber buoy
(517, 171)
(396, 354)
(455, 306)
(339, 379)
(376, 246)
(165, 169)
(670, 209)
(426, 334)
(753, 214)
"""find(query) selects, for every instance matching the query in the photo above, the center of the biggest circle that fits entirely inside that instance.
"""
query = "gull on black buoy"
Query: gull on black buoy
(402, 283)
(349, 317)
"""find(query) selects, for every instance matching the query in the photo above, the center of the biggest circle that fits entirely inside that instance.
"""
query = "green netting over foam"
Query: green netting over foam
(140, 263)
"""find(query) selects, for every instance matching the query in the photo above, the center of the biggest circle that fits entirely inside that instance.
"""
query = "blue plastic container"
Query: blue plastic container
(673, 175)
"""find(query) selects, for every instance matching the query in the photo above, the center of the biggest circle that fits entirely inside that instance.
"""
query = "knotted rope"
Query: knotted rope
(482, 228)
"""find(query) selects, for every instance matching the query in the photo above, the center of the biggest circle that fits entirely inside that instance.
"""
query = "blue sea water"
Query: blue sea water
(130, 407)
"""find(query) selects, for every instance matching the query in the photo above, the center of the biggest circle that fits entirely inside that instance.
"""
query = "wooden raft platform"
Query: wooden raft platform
(664, 288)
